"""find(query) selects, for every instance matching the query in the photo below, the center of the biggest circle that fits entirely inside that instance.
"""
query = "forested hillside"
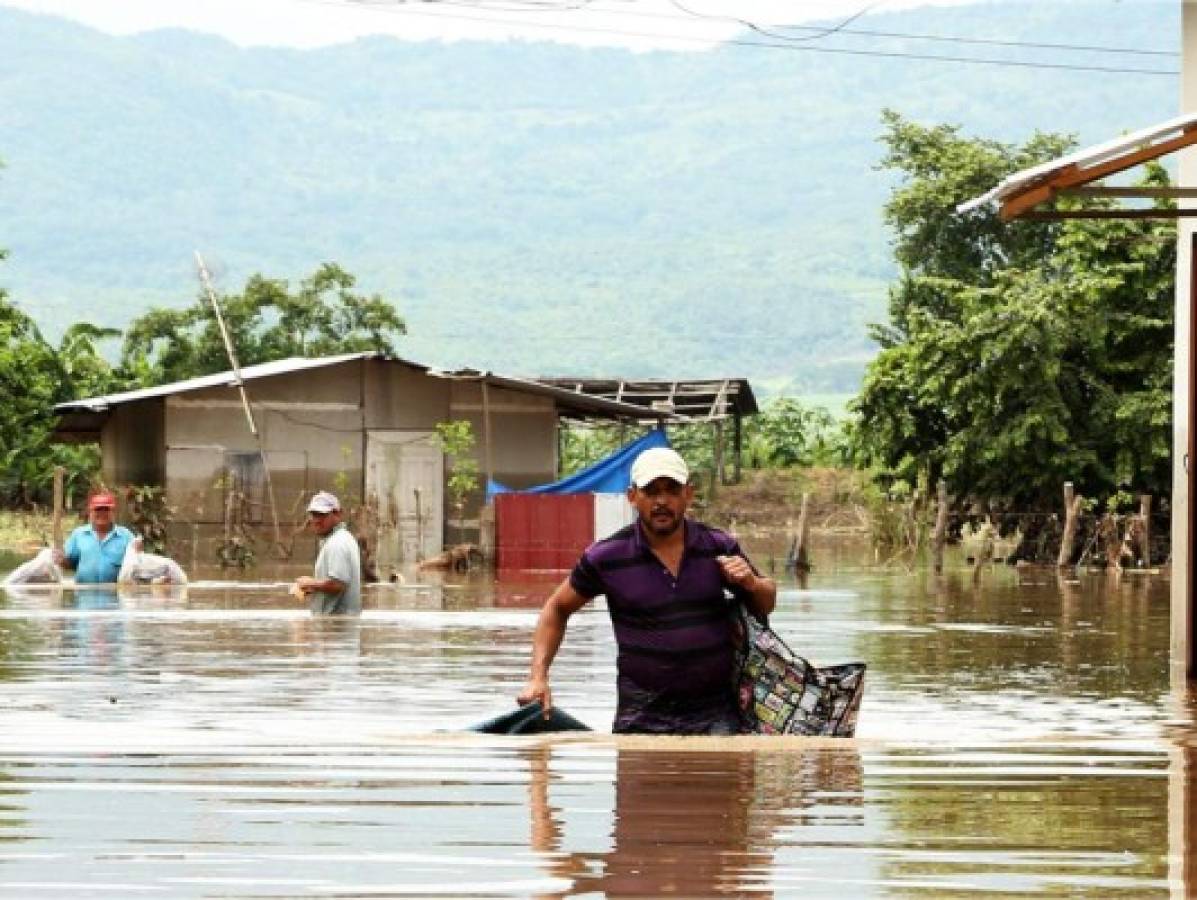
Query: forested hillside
(536, 208)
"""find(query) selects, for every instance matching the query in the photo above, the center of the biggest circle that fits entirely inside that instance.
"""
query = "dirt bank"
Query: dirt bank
(772, 499)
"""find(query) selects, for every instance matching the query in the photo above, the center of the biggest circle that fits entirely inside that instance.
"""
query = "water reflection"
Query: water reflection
(693, 822)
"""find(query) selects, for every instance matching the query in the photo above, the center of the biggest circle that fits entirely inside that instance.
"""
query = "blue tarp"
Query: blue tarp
(611, 475)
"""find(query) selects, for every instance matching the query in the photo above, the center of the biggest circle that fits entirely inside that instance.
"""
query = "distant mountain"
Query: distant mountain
(533, 208)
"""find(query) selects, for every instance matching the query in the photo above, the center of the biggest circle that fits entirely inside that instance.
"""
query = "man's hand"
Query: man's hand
(305, 584)
(737, 571)
(59, 556)
(537, 690)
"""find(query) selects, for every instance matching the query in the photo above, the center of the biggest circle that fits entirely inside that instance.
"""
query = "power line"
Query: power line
(817, 31)
(993, 42)
(822, 30)
(766, 32)
(396, 7)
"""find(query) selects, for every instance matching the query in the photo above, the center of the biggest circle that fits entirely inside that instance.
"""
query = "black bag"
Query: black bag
(779, 692)
(530, 720)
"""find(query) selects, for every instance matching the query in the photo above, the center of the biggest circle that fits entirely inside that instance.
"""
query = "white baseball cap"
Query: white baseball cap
(659, 462)
(324, 502)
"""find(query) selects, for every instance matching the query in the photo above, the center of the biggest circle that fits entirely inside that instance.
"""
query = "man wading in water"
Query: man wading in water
(664, 577)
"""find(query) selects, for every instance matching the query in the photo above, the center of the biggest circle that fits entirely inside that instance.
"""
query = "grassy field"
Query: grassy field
(22, 533)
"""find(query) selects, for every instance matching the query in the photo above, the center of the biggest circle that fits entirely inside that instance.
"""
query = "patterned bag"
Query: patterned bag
(779, 692)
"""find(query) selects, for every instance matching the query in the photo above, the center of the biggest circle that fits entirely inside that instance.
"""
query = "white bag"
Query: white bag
(149, 568)
(39, 570)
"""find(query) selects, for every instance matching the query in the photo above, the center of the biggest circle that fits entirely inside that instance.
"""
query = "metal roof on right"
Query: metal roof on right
(700, 400)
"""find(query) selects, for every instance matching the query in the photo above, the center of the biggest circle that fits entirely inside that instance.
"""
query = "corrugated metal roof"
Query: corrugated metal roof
(567, 399)
(1088, 157)
(687, 398)
(220, 379)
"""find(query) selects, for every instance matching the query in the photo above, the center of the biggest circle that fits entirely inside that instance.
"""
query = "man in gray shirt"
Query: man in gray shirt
(336, 589)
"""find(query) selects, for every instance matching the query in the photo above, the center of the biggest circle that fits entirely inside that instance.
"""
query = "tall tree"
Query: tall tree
(1020, 355)
(34, 376)
(266, 321)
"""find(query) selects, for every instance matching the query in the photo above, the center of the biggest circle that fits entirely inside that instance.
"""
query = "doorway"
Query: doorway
(405, 479)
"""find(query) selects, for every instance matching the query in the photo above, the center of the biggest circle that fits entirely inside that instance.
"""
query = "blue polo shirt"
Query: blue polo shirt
(96, 561)
(675, 637)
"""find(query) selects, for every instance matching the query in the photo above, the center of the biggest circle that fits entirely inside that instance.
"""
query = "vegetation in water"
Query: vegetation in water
(1016, 356)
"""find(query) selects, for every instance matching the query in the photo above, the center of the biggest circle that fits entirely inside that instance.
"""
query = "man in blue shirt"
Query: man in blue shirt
(96, 550)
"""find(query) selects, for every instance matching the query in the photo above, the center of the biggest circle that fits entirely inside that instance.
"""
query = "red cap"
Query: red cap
(102, 500)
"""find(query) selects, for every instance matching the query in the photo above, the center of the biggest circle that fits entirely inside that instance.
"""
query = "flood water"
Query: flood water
(1018, 738)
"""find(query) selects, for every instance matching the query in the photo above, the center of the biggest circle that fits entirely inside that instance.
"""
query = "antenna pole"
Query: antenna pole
(206, 281)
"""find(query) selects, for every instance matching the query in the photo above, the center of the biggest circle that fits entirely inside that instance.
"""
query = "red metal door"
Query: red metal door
(542, 532)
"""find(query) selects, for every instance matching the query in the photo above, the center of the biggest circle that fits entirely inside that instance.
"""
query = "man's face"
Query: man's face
(323, 523)
(662, 504)
(100, 517)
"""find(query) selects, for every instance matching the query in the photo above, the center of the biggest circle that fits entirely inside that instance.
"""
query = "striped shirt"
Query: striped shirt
(674, 634)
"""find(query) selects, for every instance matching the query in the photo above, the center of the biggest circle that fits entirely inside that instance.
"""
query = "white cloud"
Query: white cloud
(640, 24)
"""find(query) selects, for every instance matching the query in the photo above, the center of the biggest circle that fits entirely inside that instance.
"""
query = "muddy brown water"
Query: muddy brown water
(1018, 738)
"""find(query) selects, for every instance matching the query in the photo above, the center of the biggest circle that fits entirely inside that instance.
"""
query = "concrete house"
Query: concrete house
(360, 424)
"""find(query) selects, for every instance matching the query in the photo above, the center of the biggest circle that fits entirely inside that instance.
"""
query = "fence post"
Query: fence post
(1072, 509)
(800, 551)
(941, 526)
(1145, 530)
(56, 515)
(1110, 539)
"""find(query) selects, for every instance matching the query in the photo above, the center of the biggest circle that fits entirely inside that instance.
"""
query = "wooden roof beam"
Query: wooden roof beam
(1074, 176)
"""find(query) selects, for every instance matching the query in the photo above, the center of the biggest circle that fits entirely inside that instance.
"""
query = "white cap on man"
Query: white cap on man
(659, 462)
(323, 503)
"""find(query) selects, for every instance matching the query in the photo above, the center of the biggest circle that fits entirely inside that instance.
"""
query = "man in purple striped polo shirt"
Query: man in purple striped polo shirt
(667, 580)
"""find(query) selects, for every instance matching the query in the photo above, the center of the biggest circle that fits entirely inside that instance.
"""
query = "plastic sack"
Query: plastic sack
(148, 568)
(779, 692)
(39, 570)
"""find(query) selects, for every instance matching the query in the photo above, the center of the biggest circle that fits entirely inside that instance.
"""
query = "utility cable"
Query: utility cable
(774, 29)
(761, 45)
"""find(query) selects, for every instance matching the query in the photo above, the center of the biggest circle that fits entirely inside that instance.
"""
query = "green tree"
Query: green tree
(1016, 356)
(456, 440)
(266, 321)
(785, 434)
(34, 376)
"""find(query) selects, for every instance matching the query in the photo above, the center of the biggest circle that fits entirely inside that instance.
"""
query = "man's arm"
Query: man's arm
(762, 591)
(546, 641)
(68, 556)
(307, 584)
(342, 563)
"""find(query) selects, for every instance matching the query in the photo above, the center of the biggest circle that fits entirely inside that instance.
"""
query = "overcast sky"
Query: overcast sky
(678, 24)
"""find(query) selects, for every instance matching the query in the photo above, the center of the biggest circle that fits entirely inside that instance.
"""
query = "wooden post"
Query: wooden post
(56, 515)
(988, 534)
(1110, 540)
(1072, 509)
(488, 457)
(1145, 530)
(802, 540)
(230, 505)
(939, 536)
(719, 474)
(737, 448)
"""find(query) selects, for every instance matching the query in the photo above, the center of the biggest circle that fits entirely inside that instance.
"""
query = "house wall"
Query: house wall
(523, 429)
(1182, 526)
(311, 430)
(399, 397)
(131, 444)
(313, 425)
